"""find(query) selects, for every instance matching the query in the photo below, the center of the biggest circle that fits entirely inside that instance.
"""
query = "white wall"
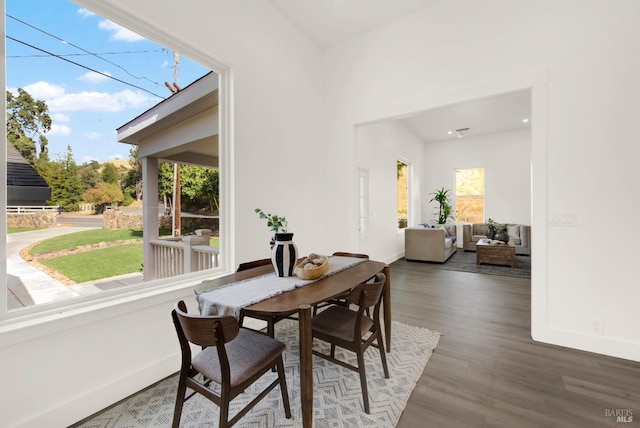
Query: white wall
(379, 146)
(58, 370)
(575, 56)
(584, 145)
(506, 158)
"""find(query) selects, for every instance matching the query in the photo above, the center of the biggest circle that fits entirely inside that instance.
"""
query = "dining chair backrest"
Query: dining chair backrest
(205, 330)
(253, 264)
(368, 294)
(347, 254)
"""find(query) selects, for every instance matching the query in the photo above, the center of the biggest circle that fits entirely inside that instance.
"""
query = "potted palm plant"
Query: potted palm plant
(284, 253)
(445, 210)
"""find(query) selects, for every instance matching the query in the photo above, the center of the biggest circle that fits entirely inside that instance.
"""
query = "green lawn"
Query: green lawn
(86, 237)
(99, 264)
(102, 263)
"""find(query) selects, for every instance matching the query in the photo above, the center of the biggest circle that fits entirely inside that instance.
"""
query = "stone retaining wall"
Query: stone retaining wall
(114, 219)
(40, 220)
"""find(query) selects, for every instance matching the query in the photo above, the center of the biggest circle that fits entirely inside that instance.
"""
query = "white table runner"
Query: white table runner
(231, 298)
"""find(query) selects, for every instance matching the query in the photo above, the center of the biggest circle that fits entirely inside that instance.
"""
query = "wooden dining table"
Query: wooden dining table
(301, 300)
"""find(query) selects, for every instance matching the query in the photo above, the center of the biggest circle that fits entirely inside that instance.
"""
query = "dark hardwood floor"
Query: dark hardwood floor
(488, 372)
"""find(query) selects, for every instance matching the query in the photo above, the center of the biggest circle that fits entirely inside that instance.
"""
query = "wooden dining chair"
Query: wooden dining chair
(341, 299)
(354, 330)
(253, 264)
(231, 357)
(270, 320)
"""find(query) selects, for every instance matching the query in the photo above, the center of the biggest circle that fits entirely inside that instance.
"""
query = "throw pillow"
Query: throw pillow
(514, 230)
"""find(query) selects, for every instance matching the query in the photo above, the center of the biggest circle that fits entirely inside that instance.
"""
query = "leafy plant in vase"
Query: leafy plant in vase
(491, 227)
(497, 231)
(445, 209)
(284, 253)
(502, 233)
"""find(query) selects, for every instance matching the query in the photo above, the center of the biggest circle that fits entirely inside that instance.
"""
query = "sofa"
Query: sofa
(430, 243)
(519, 235)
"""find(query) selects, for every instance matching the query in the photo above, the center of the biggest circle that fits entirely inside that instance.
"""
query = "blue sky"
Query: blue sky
(86, 107)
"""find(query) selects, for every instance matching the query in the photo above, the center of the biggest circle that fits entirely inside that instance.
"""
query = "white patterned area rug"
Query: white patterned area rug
(337, 399)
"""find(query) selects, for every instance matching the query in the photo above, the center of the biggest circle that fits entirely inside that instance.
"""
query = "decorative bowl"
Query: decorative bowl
(312, 267)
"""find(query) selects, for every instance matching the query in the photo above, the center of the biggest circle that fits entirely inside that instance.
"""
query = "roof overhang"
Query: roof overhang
(183, 128)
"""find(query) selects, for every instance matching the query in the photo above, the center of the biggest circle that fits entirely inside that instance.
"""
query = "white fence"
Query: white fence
(16, 209)
(176, 256)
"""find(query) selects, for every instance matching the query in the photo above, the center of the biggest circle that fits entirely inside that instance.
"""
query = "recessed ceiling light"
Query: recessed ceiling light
(525, 120)
(450, 132)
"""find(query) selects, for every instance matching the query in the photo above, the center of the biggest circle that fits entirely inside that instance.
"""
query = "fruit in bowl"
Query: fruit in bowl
(312, 267)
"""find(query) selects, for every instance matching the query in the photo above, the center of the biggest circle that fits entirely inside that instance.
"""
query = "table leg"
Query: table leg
(306, 365)
(387, 307)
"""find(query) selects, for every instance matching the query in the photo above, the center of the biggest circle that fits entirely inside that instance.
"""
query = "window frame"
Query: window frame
(409, 172)
(457, 196)
(155, 290)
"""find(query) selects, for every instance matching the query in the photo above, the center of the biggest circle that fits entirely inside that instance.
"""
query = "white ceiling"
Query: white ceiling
(330, 22)
(495, 114)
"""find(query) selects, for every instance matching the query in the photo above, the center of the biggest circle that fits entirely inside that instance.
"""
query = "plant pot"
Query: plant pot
(491, 234)
(284, 254)
(502, 236)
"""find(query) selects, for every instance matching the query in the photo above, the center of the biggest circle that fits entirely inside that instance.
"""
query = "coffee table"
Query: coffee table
(494, 253)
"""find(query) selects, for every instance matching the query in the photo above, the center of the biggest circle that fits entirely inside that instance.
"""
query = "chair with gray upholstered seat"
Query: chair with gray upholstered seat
(354, 330)
(232, 357)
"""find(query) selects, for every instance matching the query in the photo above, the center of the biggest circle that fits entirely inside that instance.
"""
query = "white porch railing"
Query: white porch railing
(176, 256)
(168, 257)
(207, 257)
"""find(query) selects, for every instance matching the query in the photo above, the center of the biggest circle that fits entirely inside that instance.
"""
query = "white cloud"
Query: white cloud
(60, 117)
(93, 77)
(59, 130)
(119, 33)
(100, 101)
(85, 12)
(44, 90)
(92, 135)
(58, 100)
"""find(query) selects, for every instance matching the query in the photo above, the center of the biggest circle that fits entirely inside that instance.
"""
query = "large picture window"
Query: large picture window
(79, 94)
(403, 173)
(470, 195)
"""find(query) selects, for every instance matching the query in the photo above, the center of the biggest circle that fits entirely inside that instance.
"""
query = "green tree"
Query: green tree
(165, 182)
(133, 179)
(65, 183)
(211, 188)
(110, 174)
(103, 194)
(198, 186)
(89, 175)
(192, 180)
(27, 120)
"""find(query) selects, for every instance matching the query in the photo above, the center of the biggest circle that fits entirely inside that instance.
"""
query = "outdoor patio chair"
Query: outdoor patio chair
(224, 360)
(354, 330)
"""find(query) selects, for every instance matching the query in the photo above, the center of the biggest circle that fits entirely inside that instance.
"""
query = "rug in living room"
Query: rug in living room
(465, 261)
(337, 394)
